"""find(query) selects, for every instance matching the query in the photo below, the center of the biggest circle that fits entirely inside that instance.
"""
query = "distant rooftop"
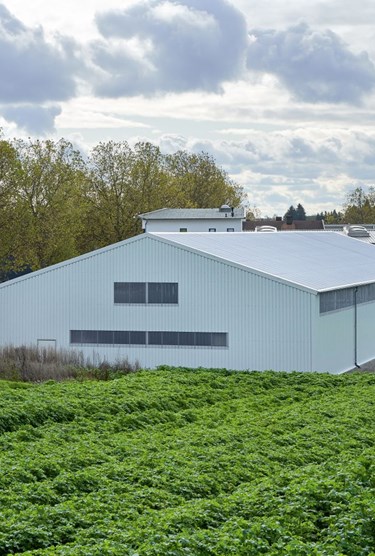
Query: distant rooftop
(194, 213)
(281, 225)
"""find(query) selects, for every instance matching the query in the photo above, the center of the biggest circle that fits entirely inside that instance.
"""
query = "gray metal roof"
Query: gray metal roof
(188, 214)
(313, 261)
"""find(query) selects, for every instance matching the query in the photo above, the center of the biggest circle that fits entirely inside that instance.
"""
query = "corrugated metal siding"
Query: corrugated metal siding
(365, 332)
(269, 324)
(333, 339)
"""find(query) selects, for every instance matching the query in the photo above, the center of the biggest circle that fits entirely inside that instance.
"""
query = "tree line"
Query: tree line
(358, 208)
(56, 204)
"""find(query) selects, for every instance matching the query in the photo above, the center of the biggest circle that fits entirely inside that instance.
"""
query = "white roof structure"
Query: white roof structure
(192, 213)
(313, 261)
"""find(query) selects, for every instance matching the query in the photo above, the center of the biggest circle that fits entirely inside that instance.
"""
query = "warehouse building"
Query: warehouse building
(303, 301)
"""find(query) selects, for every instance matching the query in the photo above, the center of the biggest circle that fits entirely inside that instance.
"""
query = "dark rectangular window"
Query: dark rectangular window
(162, 292)
(335, 300)
(230, 229)
(327, 302)
(170, 338)
(109, 337)
(121, 337)
(142, 292)
(89, 336)
(130, 292)
(155, 338)
(186, 339)
(366, 293)
(219, 339)
(75, 336)
(183, 229)
(212, 229)
(137, 337)
(203, 338)
(105, 337)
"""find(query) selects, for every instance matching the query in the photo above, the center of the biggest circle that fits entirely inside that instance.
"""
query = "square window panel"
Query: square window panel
(121, 337)
(89, 336)
(137, 337)
(105, 337)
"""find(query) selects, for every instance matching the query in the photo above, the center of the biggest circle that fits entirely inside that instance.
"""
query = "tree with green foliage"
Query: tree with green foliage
(121, 183)
(203, 183)
(298, 213)
(45, 209)
(360, 206)
(290, 213)
(107, 196)
(55, 205)
(152, 181)
(331, 217)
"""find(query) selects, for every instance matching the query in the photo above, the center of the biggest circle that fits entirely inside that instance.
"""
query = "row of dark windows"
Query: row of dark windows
(341, 299)
(209, 229)
(146, 292)
(156, 338)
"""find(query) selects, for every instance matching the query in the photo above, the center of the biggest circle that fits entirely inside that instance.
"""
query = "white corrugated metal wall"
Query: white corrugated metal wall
(268, 323)
(333, 339)
(338, 342)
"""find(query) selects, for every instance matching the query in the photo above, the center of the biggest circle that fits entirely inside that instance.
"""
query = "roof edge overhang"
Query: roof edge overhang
(346, 286)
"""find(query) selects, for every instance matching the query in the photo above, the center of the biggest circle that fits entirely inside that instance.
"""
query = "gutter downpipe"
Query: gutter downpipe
(356, 329)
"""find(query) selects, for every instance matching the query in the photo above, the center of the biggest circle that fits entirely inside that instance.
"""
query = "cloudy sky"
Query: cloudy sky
(280, 92)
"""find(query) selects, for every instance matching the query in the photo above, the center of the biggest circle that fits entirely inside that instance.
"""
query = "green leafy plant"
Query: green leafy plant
(189, 462)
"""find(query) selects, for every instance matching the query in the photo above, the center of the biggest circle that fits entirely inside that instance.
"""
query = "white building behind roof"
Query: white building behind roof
(301, 301)
(223, 219)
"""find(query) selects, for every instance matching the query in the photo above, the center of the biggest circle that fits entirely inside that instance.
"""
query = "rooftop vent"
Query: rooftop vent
(225, 208)
(265, 229)
(356, 231)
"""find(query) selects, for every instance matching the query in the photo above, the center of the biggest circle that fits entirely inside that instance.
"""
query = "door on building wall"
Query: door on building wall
(46, 344)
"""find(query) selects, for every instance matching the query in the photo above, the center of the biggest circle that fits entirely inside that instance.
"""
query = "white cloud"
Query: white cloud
(178, 14)
(298, 126)
(37, 120)
(195, 46)
(315, 66)
(33, 70)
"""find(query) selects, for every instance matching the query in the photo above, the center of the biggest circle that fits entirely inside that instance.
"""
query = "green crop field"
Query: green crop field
(189, 462)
